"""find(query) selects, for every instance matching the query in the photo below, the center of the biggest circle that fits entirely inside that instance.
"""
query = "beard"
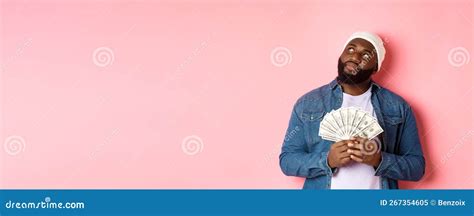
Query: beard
(355, 77)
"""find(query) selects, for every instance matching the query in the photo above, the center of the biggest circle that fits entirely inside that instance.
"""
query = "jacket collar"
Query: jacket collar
(333, 84)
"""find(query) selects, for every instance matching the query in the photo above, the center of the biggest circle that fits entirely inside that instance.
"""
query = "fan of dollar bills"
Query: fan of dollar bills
(345, 123)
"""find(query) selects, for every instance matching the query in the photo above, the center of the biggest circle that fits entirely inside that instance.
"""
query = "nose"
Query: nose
(355, 57)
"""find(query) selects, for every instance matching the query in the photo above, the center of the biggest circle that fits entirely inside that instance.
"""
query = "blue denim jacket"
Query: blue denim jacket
(304, 153)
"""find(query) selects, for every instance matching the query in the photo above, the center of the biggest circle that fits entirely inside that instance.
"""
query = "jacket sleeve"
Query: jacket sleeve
(409, 163)
(295, 160)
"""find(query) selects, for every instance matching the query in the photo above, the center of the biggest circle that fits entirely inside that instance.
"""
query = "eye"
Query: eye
(350, 50)
(366, 56)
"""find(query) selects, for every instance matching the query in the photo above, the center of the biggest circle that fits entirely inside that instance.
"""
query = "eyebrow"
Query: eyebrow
(351, 44)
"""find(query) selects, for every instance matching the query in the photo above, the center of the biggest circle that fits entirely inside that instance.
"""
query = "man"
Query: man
(344, 164)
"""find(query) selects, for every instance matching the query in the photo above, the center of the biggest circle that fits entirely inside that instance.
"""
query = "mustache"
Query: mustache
(358, 65)
(350, 62)
(353, 77)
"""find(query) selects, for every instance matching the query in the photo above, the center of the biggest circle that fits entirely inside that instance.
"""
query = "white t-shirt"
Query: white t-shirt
(356, 175)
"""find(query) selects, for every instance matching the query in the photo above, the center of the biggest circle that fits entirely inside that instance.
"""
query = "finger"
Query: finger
(357, 138)
(355, 158)
(340, 143)
(344, 154)
(355, 152)
(346, 160)
(342, 149)
(345, 143)
(357, 146)
(367, 148)
(361, 139)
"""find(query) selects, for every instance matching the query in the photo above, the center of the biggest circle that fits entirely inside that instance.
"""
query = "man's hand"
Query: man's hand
(338, 155)
(364, 151)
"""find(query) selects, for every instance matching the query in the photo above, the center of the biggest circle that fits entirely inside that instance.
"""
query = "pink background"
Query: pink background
(105, 94)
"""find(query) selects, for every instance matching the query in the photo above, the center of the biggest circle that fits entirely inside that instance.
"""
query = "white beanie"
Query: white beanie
(375, 40)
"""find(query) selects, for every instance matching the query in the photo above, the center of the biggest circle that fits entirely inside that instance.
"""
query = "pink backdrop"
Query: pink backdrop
(198, 94)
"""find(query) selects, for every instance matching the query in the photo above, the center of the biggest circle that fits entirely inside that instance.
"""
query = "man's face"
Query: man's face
(357, 62)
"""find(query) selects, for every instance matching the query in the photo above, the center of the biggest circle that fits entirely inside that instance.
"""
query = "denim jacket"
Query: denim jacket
(304, 153)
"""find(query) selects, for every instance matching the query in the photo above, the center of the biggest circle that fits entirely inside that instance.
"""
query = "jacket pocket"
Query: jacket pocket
(311, 121)
(392, 130)
(312, 116)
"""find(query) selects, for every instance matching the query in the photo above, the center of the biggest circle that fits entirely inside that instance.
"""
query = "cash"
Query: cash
(345, 123)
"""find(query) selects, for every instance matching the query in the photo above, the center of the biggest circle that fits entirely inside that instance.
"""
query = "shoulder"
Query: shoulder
(314, 100)
(315, 94)
(390, 98)
(393, 105)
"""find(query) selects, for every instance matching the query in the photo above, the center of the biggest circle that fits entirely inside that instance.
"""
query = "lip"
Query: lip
(349, 63)
(351, 66)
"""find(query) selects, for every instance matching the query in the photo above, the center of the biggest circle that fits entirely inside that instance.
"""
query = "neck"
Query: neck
(356, 89)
